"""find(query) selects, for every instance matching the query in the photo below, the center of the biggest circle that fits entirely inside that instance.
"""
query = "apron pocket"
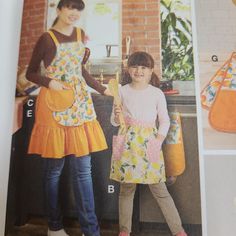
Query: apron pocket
(153, 150)
(118, 146)
(59, 100)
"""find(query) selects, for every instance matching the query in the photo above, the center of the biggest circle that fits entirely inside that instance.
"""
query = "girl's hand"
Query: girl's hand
(56, 85)
(107, 92)
(117, 112)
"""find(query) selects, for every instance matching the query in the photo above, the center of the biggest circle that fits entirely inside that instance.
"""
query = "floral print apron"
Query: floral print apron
(137, 155)
(65, 120)
(66, 67)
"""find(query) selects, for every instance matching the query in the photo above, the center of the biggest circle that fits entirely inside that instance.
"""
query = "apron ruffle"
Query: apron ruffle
(57, 142)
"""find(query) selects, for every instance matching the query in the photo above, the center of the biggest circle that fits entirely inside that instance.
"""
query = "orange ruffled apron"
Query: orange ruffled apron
(65, 121)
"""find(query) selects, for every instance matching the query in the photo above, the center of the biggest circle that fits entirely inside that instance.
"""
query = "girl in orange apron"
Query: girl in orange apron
(65, 121)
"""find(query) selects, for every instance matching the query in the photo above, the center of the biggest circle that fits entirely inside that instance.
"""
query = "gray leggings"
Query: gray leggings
(163, 198)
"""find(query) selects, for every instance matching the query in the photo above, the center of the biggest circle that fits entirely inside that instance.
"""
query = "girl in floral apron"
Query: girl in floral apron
(137, 156)
(65, 121)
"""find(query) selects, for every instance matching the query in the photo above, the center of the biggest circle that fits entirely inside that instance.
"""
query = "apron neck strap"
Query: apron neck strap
(53, 37)
(78, 30)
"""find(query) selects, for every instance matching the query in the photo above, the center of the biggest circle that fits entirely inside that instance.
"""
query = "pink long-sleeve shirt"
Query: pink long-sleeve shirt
(147, 105)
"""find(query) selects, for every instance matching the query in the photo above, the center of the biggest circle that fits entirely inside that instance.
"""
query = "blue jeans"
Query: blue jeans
(83, 188)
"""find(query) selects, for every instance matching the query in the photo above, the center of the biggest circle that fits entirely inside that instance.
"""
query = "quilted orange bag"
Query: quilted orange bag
(219, 97)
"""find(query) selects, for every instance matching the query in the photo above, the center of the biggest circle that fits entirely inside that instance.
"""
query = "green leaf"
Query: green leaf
(177, 49)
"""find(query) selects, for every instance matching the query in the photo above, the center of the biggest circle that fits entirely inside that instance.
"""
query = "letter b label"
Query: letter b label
(111, 189)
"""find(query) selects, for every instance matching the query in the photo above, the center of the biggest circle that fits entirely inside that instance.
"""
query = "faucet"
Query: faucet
(108, 48)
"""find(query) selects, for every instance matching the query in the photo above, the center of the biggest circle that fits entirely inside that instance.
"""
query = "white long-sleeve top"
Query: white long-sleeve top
(146, 105)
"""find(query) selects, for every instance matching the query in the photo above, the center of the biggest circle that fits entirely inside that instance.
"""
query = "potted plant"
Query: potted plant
(177, 48)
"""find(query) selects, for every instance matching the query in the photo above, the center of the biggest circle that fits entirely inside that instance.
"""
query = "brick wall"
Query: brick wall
(140, 21)
(33, 23)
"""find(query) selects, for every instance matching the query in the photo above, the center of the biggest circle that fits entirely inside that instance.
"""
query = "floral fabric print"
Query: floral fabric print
(140, 160)
(68, 70)
(174, 133)
(229, 82)
(209, 93)
(224, 79)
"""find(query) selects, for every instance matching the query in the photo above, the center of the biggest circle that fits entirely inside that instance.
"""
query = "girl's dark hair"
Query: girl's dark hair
(72, 4)
(140, 59)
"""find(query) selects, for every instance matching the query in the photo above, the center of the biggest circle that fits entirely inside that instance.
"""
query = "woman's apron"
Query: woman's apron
(65, 120)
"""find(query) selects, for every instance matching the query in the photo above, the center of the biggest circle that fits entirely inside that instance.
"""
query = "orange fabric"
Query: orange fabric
(49, 139)
(173, 147)
(53, 37)
(79, 37)
(222, 115)
(214, 83)
(174, 159)
(59, 100)
(220, 97)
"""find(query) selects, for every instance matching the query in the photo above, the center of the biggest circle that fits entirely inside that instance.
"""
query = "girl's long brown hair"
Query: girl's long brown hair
(140, 59)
